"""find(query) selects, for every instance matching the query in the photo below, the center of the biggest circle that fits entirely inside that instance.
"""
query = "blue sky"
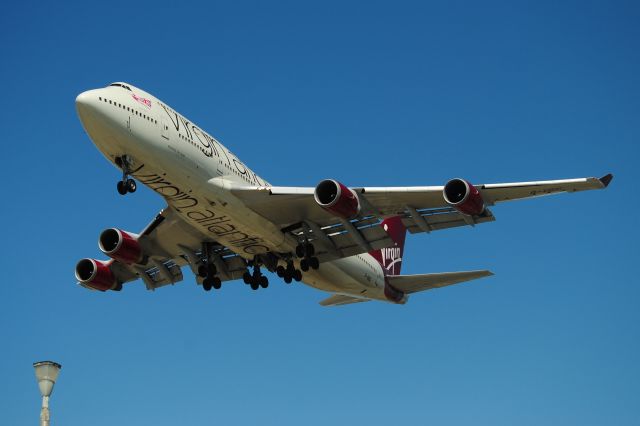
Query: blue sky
(370, 93)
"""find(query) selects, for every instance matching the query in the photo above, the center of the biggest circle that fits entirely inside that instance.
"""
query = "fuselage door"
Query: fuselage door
(164, 128)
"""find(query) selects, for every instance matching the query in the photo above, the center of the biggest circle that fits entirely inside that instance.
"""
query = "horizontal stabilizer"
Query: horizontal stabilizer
(341, 299)
(414, 283)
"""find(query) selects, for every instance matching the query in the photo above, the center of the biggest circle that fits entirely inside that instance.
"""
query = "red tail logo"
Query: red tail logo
(391, 257)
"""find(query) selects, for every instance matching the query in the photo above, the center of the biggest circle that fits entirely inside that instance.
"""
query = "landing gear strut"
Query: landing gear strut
(126, 184)
(208, 270)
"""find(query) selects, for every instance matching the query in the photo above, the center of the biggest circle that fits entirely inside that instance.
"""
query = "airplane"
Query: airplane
(225, 223)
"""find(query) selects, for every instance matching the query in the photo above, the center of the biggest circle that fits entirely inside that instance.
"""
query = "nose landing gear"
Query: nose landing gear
(127, 184)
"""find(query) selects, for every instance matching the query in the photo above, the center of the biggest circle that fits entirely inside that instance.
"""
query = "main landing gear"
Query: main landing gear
(126, 184)
(255, 280)
(208, 271)
(306, 252)
(289, 273)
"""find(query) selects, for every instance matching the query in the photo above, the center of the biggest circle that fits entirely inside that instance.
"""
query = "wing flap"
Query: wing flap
(415, 283)
(444, 218)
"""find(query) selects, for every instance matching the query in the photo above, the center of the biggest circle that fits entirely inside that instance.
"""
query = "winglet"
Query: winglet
(606, 180)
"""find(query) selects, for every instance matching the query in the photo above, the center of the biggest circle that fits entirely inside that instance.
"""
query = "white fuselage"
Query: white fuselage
(192, 171)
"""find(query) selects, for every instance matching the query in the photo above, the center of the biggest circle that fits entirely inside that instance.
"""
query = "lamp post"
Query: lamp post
(46, 373)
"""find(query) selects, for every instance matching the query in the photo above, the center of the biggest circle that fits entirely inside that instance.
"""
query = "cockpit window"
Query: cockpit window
(121, 85)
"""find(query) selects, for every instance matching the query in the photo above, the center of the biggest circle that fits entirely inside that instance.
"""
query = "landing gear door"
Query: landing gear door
(164, 128)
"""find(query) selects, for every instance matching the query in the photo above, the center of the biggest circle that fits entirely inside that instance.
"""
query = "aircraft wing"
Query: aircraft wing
(422, 208)
(170, 244)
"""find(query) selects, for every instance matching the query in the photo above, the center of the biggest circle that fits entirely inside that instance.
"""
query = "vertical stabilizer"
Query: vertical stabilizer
(391, 257)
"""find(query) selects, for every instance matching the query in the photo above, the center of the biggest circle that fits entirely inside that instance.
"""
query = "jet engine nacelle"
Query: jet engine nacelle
(464, 197)
(95, 274)
(333, 196)
(121, 245)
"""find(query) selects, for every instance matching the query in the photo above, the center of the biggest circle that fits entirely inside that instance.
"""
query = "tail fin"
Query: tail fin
(391, 257)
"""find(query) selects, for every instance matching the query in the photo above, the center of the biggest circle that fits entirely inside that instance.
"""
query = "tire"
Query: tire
(254, 285)
(304, 265)
(246, 277)
(300, 250)
(217, 283)
(206, 284)
(287, 279)
(280, 271)
(264, 282)
(131, 185)
(314, 263)
(122, 188)
(297, 275)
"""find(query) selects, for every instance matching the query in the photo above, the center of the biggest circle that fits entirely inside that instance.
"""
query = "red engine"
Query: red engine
(95, 274)
(464, 197)
(333, 196)
(121, 246)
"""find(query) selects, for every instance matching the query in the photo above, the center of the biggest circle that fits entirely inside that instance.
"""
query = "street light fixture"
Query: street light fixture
(46, 373)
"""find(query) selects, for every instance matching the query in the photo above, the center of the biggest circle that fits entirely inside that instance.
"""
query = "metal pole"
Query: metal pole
(44, 412)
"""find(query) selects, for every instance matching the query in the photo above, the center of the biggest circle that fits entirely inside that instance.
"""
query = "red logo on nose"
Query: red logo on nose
(144, 101)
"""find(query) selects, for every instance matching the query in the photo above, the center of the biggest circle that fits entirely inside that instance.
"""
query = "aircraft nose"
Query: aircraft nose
(84, 101)
(89, 109)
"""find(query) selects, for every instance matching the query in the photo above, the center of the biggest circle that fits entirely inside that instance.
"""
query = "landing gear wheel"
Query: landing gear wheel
(131, 185)
(314, 263)
(305, 250)
(122, 188)
(254, 285)
(264, 282)
(207, 284)
(246, 277)
(217, 283)
(280, 271)
(297, 275)
(287, 279)
(304, 265)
